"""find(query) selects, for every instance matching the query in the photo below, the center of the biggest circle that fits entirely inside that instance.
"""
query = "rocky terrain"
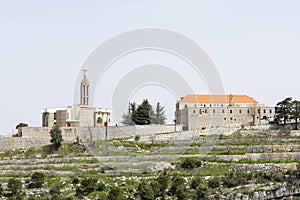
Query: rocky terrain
(125, 161)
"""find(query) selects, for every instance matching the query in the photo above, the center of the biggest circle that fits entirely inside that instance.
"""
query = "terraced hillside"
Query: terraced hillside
(246, 164)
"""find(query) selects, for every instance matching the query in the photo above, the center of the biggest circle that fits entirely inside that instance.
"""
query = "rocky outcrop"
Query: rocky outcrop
(278, 191)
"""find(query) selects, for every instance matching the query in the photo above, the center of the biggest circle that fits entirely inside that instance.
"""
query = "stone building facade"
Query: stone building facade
(81, 115)
(199, 112)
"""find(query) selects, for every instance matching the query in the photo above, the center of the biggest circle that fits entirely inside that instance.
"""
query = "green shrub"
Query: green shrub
(37, 179)
(1, 189)
(190, 163)
(145, 191)
(214, 182)
(14, 186)
(201, 191)
(182, 193)
(177, 182)
(88, 185)
(55, 189)
(101, 186)
(116, 194)
(195, 182)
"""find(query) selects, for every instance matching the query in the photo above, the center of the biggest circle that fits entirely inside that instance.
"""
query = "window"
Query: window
(230, 118)
(221, 105)
(204, 105)
(54, 116)
(214, 111)
(240, 111)
(270, 111)
(194, 111)
(223, 111)
(264, 110)
(248, 111)
(209, 105)
(205, 111)
(258, 110)
(224, 118)
(230, 111)
(200, 111)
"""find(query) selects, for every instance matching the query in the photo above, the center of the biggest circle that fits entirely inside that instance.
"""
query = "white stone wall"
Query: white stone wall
(98, 133)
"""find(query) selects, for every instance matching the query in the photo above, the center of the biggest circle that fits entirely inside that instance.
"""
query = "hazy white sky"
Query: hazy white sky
(255, 46)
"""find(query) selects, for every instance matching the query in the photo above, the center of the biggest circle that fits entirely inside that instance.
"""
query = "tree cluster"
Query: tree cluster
(286, 110)
(144, 114)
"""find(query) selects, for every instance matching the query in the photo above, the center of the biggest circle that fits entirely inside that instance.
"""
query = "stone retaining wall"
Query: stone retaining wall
(17, 142)
(39, 136)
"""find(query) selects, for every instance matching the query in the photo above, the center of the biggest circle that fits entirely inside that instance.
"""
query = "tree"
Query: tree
(14, 185)
(283, 109)
(142, 116)
(128, 118)
(56, 136)
(296, 112)
(159, 115)
(22, 124)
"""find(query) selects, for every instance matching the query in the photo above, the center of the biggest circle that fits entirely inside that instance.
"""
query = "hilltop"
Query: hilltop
(245, 164)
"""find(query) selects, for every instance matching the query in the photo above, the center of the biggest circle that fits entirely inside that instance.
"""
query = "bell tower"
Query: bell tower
(84, 88)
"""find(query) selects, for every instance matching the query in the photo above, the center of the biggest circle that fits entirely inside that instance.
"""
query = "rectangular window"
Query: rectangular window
(258, 110)
(194, 111)
(214, 111)
(270, 111)
(248, 111)
(205, 111)
(200, 112)
(230, 111)
(264, 110)
(240, 111)
(223, 111)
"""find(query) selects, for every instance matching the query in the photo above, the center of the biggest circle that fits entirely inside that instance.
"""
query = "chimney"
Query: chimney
(231, 99)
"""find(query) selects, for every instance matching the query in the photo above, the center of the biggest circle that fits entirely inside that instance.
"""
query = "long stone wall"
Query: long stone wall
(18, 142)
(38, 136)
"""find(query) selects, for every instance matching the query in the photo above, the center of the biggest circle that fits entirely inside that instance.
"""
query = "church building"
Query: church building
(80, 115)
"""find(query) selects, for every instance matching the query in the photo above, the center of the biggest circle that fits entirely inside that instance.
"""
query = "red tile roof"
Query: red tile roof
(206, 98)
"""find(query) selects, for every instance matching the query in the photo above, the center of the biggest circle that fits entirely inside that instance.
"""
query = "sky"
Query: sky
(254, 45)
